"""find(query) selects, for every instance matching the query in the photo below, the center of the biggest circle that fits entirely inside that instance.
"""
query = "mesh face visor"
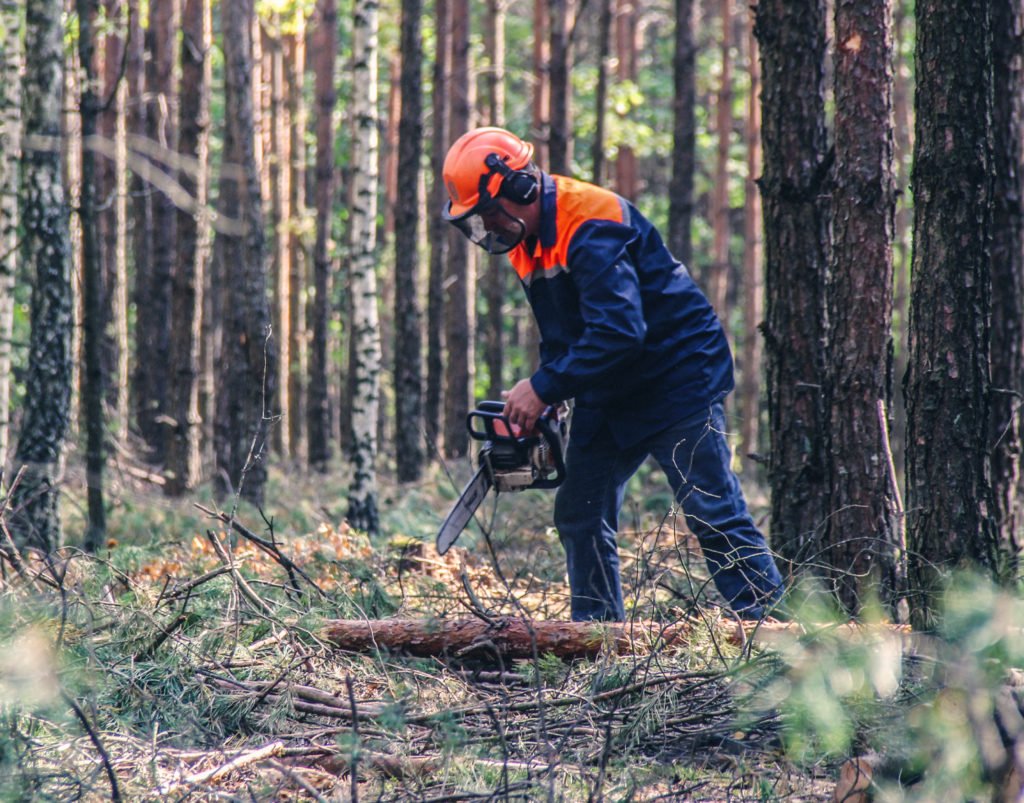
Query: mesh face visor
(489, 226)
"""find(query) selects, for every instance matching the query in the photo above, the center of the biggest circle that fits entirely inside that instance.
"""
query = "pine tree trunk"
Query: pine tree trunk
(560, 134)
(278, 159)
(460, 282)
(155, 278)
(248, 361)
(318, 426)
(625, 47)
(184, 462)
(604, 35)
(92, 279)
(409, 454)
(298, 365)
(753, 277)
(1007, 418)
(791, 36)
(35, 518)
(366, 348)
(717, 279)
(540, 113)
(684, 135)
(438, 229)
(862, 531)
(496, 271)
(11, 56)
(110, 209)
(949, 495)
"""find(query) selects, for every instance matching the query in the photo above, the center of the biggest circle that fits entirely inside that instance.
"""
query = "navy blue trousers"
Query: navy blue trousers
(695, 457)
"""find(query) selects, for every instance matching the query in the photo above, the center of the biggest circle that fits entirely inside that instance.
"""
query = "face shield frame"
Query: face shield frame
(493, 239)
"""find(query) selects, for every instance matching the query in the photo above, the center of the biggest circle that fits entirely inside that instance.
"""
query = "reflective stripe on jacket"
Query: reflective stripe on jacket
(624, 329)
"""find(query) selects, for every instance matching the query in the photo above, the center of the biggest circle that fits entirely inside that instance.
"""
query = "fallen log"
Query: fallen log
(523, 638)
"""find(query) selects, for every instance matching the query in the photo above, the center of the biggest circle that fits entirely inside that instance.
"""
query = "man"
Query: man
(628, 335)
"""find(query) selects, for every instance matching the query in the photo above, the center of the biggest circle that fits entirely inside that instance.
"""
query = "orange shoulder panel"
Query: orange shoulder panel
(578, 203)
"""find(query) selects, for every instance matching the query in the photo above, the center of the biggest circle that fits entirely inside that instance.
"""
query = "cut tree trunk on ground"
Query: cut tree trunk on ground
(524, 638)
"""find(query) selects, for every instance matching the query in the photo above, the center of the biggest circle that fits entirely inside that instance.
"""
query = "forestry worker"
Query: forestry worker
(627, 334)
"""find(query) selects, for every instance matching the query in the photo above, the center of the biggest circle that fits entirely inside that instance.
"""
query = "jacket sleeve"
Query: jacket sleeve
(611, 308)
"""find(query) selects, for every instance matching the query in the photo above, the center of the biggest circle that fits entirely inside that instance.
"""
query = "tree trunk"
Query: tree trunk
(684, 135)
(949, 495)
(460, 282)
(717, 280)
(278, 159)
(298, 364)
(154, 279)
(793, 187)
(753, 278)
(365, 368)
(248, 361)
(408, 335)
(11, 56)
(560, 133)
(92, 279)
(625, 46)
(35, 518)
(318, 413)
(540, 112)
(862, 531)
(183, 449)
(1007, 419)
(496, 272)
(604, 35)
(438, 229)
(511, 638)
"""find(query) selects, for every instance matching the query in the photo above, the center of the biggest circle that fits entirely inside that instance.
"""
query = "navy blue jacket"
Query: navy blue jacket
(624, 329)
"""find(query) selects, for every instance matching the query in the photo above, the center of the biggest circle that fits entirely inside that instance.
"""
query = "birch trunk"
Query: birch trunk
(45, 250)
(11, 55)
(366, 346)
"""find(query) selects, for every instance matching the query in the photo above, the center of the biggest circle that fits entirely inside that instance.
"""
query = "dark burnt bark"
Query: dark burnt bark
(861, 536)
(949, 495)
(791, 36)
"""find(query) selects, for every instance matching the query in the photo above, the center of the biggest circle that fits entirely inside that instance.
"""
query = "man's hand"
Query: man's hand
(522, 405)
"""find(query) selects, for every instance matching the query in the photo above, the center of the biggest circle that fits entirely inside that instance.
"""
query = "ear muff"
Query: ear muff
(518, 186)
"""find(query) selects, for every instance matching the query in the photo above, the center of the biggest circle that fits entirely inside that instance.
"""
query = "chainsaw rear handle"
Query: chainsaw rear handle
(488, 413)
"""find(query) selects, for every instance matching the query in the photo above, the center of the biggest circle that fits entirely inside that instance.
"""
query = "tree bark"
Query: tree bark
(862, 531)
(409, 455)
(791, 36)
(183, 449)
(514, 638)
(366, 347)
(1007, 419)
(11, 56)
(496, 272)
(298, 365)
(248, 360)
(35, 518)
(154, 278)
(460, 280)
(438, 229)
(753, 276)
(318, 410)
(92, 279)
(604, 35)
(625, 46)
(684, 135)
(560, 138)
(949, 494)
(717, 280)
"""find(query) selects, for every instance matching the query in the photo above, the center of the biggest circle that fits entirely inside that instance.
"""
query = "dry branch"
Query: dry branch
(524, 638)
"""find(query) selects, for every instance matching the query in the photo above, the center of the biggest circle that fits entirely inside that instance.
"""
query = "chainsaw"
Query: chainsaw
(506, 462)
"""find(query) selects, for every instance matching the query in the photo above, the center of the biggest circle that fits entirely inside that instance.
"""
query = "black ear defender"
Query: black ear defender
(519, 186)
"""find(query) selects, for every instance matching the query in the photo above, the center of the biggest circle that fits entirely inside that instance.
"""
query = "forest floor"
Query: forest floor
(187, 662)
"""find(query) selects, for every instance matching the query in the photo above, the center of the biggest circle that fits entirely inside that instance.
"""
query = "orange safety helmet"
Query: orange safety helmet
(481, 166)
(471, 177)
